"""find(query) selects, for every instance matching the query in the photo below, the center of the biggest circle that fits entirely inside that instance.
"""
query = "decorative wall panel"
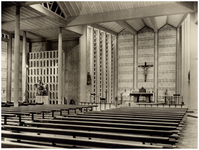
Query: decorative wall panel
(103, 51)
(125, 63)
(43, 66)
(166, 60)
(145, 54)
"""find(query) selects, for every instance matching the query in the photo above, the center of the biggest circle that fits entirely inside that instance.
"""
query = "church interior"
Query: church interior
(99, 74)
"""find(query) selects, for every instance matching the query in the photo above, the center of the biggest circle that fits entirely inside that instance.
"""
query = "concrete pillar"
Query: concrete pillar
(24, 63)
(193, 63)
(109, 70)
(83, 73)
(156, 69)
(63, 76)
(91, 63)
(178, 61)
(135, 62)
(9, 67)
(97, 84)
(116, 66)
(16, 56)
(185, 61)
(60, 53)
(104, 66)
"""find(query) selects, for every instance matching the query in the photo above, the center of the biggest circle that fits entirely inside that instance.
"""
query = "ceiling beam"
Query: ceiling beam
(60, 4)
(182, 20)
(77, 29)
(103, 28)
(127, 27)
(28, 32)
(33, 2)
(127, 14)
(189, 5)
(49, 14)
(6, 32)
(167, 19)
(143, 22)
(154, 23)
(25, 19)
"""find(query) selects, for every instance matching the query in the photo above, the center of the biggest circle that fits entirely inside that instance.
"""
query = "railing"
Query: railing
(176, 99)
(101, 106)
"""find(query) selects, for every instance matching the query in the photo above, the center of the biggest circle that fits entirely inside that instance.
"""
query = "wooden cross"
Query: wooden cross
(145, 67)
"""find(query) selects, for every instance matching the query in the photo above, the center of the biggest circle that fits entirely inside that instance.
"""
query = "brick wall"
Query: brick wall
(4, 70)
(145, 54)
(38, 46)
(66, 45)
(167, 60)
(125, 63)
(72, 74)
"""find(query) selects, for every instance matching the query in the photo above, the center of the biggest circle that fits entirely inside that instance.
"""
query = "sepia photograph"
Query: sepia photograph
(99, 74)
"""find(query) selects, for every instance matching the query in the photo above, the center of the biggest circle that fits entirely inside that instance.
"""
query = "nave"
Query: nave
(79, 126)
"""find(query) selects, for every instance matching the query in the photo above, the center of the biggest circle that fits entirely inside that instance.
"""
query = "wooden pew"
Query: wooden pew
(79, 142)
(104, 129)
(126, 118)
(31, 110)
(103, 135)
(135, 116)
(151, 130)
(107, 124)
(8, 144)
(117, 121)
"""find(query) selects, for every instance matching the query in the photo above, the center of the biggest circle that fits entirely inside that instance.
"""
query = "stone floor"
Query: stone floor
(189, 135)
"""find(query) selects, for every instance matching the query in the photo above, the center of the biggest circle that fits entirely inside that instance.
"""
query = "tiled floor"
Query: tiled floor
(189, 135)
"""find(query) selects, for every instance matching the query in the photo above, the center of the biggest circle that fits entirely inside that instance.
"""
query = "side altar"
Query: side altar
(41, 92)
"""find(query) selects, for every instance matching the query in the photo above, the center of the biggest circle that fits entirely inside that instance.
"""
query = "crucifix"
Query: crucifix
(145, 67)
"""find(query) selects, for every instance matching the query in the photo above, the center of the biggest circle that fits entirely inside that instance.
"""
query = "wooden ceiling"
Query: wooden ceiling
(41, 20)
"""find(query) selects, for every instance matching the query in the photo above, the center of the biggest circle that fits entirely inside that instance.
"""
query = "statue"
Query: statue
(145, 67)
(165, 93)
(88, 78)
(41, 89)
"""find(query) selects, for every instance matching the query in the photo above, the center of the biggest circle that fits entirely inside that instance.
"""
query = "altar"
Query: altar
(138, 94)
(42, 99)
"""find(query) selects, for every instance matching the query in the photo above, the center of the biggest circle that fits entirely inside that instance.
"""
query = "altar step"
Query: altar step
(132, 104)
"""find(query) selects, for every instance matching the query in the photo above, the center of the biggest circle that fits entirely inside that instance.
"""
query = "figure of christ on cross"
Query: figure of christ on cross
(145, 67)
